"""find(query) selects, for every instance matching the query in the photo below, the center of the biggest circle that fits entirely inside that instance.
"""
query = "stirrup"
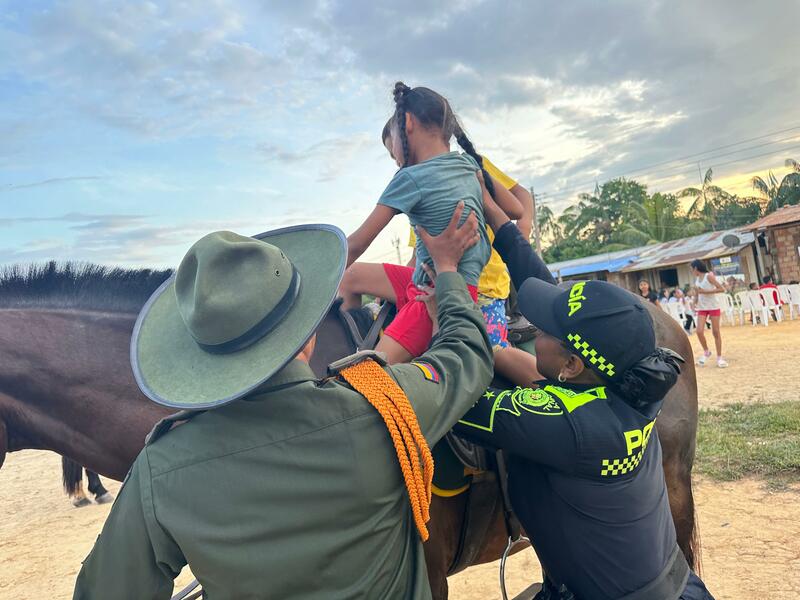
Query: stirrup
(512, 543)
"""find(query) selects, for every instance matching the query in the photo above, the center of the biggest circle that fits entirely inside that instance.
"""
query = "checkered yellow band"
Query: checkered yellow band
(591, 354)
(633, 439)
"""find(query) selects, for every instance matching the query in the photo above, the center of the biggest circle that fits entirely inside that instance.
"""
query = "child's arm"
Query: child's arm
(361, 238)
(503, 198)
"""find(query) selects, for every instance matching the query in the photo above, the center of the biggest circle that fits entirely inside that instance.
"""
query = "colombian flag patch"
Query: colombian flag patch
(428, 371)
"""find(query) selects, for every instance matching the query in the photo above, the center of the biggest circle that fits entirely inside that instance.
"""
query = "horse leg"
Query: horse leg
(3, 442)
(101, 494)
(72, 478)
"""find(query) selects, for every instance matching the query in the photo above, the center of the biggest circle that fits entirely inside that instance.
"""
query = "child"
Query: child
(427, 187)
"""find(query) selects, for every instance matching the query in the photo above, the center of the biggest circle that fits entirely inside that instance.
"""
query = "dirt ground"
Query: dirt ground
(750, 536)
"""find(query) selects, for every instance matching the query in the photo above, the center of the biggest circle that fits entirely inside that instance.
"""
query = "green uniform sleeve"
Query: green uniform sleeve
(133, 558)
(445, 381)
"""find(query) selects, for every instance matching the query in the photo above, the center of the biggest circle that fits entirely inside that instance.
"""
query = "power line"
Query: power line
(689, 156)
(563, 194)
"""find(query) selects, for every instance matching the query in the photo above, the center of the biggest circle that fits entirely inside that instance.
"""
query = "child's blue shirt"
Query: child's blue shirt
(428, 193)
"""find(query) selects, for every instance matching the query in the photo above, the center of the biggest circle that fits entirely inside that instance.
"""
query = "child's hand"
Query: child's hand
(428, 296)
(447, 248)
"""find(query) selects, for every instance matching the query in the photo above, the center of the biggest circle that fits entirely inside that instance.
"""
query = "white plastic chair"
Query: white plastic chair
(674, 310)
(786, 298)
(758, 306)
(744, 305)
(794, 297)
(727, 306)
(771, 304)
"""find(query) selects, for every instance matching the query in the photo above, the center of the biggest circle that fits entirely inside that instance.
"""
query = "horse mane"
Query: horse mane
(74, 285)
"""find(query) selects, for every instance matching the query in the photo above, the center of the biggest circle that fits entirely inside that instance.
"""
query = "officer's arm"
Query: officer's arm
(128, 561)
(535, 428)
(513, 248)
(445, 381)
(521, 260)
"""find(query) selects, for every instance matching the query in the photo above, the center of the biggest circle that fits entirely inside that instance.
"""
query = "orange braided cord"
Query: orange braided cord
(416, 462)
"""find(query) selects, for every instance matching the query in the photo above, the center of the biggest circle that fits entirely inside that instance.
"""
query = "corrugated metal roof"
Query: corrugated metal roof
(782, 216)
(675, 252)
(607, 261)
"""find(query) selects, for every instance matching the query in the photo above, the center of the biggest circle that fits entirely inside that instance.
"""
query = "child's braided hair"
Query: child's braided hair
(432, 110)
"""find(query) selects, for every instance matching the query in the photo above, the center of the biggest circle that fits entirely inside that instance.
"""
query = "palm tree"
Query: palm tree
(779, 193)
(705, 198)
(549, 225)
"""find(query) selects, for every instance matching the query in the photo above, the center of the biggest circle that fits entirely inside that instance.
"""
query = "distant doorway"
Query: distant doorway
(668, 277)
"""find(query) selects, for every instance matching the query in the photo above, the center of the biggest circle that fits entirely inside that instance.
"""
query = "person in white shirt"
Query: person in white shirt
(706, 288)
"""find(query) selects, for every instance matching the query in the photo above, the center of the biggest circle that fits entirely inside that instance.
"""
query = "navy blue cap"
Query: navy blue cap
(607, 326)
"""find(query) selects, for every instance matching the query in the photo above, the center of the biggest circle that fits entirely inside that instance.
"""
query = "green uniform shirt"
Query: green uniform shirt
(294, 492)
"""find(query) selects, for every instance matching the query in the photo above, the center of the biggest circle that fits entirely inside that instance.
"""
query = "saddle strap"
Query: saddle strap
(513, 526)
(478, 519)
(416, 462)
(374, 331)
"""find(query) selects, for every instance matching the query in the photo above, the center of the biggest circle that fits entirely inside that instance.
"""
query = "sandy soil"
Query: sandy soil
(750, 536)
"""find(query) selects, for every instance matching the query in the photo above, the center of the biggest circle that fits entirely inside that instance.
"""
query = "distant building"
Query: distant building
(729, 253)
(778, 243)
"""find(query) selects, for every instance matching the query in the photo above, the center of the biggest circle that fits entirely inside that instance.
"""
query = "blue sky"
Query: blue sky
(128, 130)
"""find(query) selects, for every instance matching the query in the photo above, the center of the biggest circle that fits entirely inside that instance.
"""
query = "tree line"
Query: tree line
(621, 214)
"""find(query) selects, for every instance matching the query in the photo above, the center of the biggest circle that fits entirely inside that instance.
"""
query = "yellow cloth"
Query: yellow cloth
(495, 281)
(504, 179)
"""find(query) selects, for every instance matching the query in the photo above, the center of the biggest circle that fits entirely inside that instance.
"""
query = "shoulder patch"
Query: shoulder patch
(536, 400)
(428, 371)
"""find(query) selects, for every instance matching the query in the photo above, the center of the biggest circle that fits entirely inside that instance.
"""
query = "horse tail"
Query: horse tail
(694, 543)
(71, 475)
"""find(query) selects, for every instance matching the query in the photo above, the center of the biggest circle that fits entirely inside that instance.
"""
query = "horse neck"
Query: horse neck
(66, 385)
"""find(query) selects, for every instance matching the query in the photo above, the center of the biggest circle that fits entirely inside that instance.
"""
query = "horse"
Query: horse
(72, 478)
(66, 386)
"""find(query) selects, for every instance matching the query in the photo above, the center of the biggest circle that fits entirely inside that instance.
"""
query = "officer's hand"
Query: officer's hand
(447, 248)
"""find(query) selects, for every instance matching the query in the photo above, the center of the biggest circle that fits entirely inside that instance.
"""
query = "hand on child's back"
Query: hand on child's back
(447, 248)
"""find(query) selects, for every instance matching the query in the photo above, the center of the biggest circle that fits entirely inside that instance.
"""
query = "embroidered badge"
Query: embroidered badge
(428, 371)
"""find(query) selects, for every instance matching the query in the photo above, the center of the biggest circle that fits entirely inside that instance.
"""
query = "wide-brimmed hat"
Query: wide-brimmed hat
(234, 313)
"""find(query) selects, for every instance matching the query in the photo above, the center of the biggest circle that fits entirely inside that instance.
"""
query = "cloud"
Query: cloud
(559, 93)
(44, 182)
(329, 155)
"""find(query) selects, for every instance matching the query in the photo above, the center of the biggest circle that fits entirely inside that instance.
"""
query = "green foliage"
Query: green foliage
(742, 440)
(621, 214)
(776, 194)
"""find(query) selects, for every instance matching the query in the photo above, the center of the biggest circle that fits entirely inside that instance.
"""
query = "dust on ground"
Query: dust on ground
(750, 535)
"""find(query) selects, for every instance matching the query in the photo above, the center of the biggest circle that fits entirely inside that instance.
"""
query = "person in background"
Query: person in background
(679, 297)
(753, 286)
(664, 295)
(768, 284)
(646, 293)
(706, 288)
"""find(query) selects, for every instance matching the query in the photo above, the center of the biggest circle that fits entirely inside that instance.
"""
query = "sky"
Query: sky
(129, 130)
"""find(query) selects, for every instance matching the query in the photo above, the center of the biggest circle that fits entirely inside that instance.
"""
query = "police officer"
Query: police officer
(276, 484)
(585, 474)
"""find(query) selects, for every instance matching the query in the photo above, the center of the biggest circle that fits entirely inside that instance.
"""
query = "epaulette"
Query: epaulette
(348, 361)
(167, 423)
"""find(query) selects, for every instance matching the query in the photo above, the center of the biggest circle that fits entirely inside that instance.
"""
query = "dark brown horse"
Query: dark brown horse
(66, 386)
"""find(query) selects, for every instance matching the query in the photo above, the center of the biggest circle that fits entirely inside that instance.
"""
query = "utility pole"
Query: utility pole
(396, 244)
(537, 237)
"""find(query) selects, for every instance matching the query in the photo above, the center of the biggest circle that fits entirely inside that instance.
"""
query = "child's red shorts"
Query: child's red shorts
(412, 327)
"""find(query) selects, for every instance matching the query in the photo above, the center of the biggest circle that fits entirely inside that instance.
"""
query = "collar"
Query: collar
(295, 371)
